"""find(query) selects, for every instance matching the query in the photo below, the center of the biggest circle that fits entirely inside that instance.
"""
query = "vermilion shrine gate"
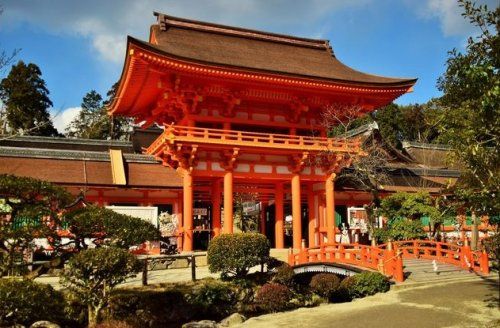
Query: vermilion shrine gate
(242, 113)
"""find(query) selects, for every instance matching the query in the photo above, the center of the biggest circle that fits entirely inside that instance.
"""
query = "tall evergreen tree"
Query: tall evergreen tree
(26, 100)
(471, 98)
(93, 121)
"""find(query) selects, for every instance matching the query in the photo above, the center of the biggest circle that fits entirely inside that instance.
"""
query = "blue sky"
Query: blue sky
(79, 45)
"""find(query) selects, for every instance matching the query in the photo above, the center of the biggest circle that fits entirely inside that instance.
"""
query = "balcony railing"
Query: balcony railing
(184, 134)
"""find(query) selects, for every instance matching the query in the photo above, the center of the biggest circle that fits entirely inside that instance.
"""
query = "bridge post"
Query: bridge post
(363, 255)
(341, 252)
(398, 273)
(438, 251)
(388, 259)
(291, 257)
(322, 253)
(485, 266)
(465, 257)
(416, 252)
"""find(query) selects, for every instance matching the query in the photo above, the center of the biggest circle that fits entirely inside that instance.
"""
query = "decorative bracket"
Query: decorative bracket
(177, 101)
(231, 100)
(335, 163)
(297, 107)
(177, 155)
(297, 162)
(229, 158)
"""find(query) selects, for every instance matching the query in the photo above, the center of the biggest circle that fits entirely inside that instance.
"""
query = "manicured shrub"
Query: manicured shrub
(344, 292)
(171, 305)
(107, 227)
(92, 274)
(370, 283)
(273, 297)
(235, 254)
(273, 263)
(151, 308)
(213, 298)
(325, 284)
(24, 302)
(284, 275)
(364, 284)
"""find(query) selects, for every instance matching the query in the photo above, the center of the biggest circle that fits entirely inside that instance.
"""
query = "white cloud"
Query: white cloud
(449, 14)
(106, 23)
(62, 119)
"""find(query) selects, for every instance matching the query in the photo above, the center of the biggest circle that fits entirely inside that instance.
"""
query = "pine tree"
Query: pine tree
(26, 100)
(93, 121)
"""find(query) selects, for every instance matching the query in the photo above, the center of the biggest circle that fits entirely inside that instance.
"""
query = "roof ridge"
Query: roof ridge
(70, 154)
(83, 141)
(165, 20)
(416, 144)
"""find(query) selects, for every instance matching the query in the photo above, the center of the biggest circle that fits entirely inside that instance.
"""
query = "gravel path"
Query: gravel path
(463, 304)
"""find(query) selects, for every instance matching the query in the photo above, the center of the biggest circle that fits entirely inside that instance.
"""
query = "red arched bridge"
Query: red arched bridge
(348, 259)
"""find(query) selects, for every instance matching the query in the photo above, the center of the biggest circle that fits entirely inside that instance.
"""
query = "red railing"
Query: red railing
(370, 257)
(388, 258)
(461, 256)
(253, 139)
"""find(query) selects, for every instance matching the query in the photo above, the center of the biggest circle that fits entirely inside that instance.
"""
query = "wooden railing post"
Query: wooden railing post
(415, 250)
(322, 253)
(389, 259)
(465, 258)
(291, 257)
(145, 272)
(193, 267)
(363, 256)
(484, 264)
(438, 251)
(341, 252)
(398, 273)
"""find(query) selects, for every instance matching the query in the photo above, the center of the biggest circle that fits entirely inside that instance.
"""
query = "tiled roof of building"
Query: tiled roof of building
(256, 50)
(65, 143)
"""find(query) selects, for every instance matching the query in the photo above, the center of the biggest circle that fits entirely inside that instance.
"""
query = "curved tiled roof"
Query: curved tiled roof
(256, 50)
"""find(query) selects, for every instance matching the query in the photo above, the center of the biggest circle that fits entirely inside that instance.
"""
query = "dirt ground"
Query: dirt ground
(462, 304)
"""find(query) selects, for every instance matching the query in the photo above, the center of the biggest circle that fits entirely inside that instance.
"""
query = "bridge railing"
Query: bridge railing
(461, 256)
(387, 261)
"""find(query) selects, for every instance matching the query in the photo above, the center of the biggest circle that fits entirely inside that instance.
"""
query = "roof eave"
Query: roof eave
(404, 83)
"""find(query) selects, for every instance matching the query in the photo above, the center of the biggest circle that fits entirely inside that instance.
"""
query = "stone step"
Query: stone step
(427, 268)
(412, 283)
(429, 280)
(441, 275)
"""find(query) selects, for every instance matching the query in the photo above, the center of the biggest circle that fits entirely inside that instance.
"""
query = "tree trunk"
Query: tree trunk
(93, 315)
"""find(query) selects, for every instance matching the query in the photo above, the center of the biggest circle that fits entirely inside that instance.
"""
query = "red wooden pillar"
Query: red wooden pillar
(311, 228)
(263, 216)
(178, 208)
(188, 210)
(279, 227)
(330, 208)
(296, 212)
(216, 195)
(228, 201)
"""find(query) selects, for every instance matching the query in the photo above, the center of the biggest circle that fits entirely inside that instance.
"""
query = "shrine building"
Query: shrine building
(241, 112)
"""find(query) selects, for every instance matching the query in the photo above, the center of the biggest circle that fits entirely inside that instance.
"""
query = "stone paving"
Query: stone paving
(154, 277)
